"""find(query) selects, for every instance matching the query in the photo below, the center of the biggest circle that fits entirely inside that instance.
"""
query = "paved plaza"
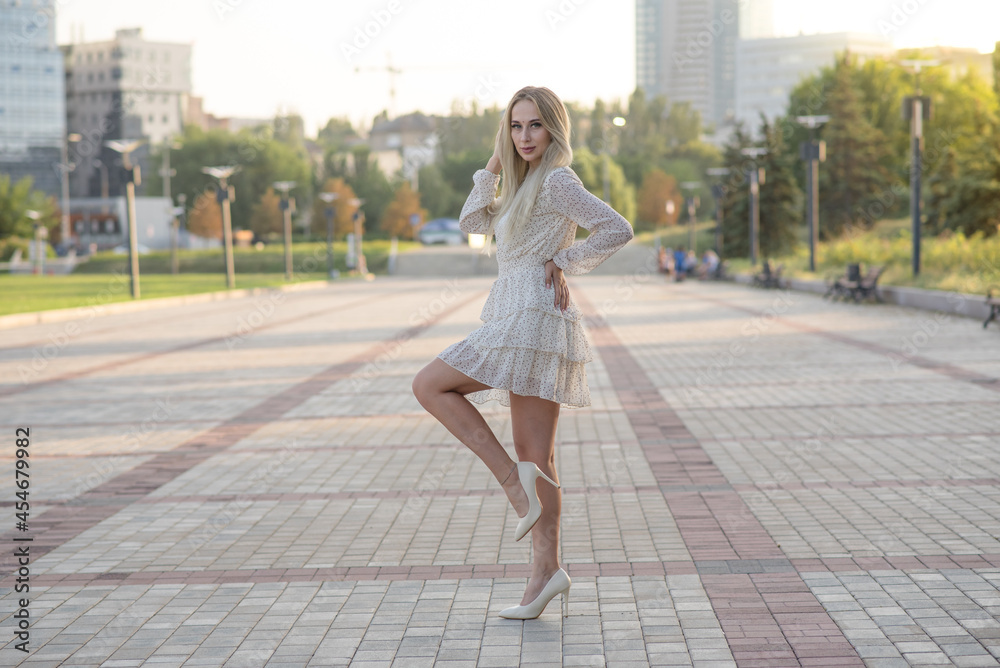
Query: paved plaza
(763, 479)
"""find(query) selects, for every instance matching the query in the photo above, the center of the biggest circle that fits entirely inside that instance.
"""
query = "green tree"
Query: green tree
(590, 169)
(735, 195)
(16, 199)
(260, 158)
(996, 69)
(440, 198)
(973, 200)
(854, 182)
(780, 197)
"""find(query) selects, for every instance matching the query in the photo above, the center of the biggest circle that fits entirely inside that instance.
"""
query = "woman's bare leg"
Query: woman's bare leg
(439, 388)
(534, 424)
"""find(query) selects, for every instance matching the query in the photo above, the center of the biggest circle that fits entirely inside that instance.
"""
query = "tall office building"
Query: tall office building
(686, 50)
(756, 19)
(32, 100)
(124, 88)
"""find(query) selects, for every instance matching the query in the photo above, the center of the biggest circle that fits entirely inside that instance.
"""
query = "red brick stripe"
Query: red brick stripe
(760, 614)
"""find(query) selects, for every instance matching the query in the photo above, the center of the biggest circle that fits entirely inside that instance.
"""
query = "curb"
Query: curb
(64, 314)
(954, 303)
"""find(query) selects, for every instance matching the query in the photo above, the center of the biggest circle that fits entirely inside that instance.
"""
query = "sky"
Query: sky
(256, 58)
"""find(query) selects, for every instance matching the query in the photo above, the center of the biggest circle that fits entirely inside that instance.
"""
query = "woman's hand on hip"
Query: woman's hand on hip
(554, 279)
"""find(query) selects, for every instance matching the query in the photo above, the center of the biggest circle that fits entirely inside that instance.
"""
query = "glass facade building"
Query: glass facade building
(32, 97)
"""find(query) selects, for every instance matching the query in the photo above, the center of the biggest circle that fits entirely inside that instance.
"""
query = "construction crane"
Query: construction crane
(393, 71)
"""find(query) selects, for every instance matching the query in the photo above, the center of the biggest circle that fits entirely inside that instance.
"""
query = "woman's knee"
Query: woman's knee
(422, 385)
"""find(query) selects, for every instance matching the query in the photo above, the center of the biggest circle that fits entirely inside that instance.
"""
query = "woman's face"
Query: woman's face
(529, 136)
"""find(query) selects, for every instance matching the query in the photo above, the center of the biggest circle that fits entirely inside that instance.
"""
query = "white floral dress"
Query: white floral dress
(527, 345)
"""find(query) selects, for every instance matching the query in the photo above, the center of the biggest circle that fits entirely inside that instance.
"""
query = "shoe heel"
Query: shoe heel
(565, 602)
(550, 480)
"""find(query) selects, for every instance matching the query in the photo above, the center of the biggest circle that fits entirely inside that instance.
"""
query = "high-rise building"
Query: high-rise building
(768, 69)
(686, 50)
(32, 100)
(124, 88)
(756, 19)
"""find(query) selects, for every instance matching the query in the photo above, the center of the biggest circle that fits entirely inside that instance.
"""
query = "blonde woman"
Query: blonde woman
(530, 352)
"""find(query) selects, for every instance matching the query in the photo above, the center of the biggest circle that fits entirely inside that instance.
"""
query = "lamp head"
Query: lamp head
(220, 172)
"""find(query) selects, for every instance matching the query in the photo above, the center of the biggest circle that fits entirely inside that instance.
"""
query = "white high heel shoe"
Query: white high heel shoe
(558, 584)
(528, 473)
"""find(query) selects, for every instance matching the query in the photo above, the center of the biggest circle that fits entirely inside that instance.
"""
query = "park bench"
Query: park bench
(838, 287)
(994, 304)
(868, 285)
(767, 277)
(856, 286)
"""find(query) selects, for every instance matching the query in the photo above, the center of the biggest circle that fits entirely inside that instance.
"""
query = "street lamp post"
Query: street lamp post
(693, 202)
(756, 180)
(133, 176)
(104, 183)
(224, 194)
(167, 172)
(176, 213)
(66, 168)
(284, 187)
(359, 216)
(329, 198)
(35, 216)
(813, 153)
(916, 109)
(717, 193)
(618, 121)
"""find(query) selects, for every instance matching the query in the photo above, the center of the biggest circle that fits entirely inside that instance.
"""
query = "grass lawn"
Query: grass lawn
(104, 278)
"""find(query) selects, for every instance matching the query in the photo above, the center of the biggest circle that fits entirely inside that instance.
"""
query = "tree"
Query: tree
(16, 199)
(657, 188)
(260, 157)
(336, 134)
(854, 182)
(736, 196)
(780, 196)
(590, 169)
(343, 209)
(438, 195)
(205, 217)
(973, 201)
(267, 217)
(396, 220)
(996, 69)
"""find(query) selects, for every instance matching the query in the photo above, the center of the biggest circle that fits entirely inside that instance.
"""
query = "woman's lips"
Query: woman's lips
(527, 150)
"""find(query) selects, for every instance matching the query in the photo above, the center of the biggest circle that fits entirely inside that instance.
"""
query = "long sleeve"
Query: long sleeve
(474, 219)
(609, 230)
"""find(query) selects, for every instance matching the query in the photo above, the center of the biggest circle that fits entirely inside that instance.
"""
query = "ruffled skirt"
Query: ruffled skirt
(526, 345)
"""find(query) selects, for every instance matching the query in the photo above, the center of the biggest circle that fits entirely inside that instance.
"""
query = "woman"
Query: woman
(530, 353)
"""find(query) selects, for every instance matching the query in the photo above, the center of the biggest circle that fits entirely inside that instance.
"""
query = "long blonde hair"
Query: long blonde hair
(518, 189)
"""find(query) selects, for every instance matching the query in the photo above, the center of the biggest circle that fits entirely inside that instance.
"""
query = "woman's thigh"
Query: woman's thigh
(533, 422)
(439, 376)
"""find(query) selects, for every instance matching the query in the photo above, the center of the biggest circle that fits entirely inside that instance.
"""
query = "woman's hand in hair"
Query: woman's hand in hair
(554, 278)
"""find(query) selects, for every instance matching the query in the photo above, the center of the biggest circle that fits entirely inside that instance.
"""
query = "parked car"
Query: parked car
(442, 231)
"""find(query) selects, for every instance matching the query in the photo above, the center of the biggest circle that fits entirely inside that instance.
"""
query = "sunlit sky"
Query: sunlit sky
(255, 58)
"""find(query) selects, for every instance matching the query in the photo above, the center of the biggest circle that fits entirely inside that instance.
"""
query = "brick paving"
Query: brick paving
(764, 479)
